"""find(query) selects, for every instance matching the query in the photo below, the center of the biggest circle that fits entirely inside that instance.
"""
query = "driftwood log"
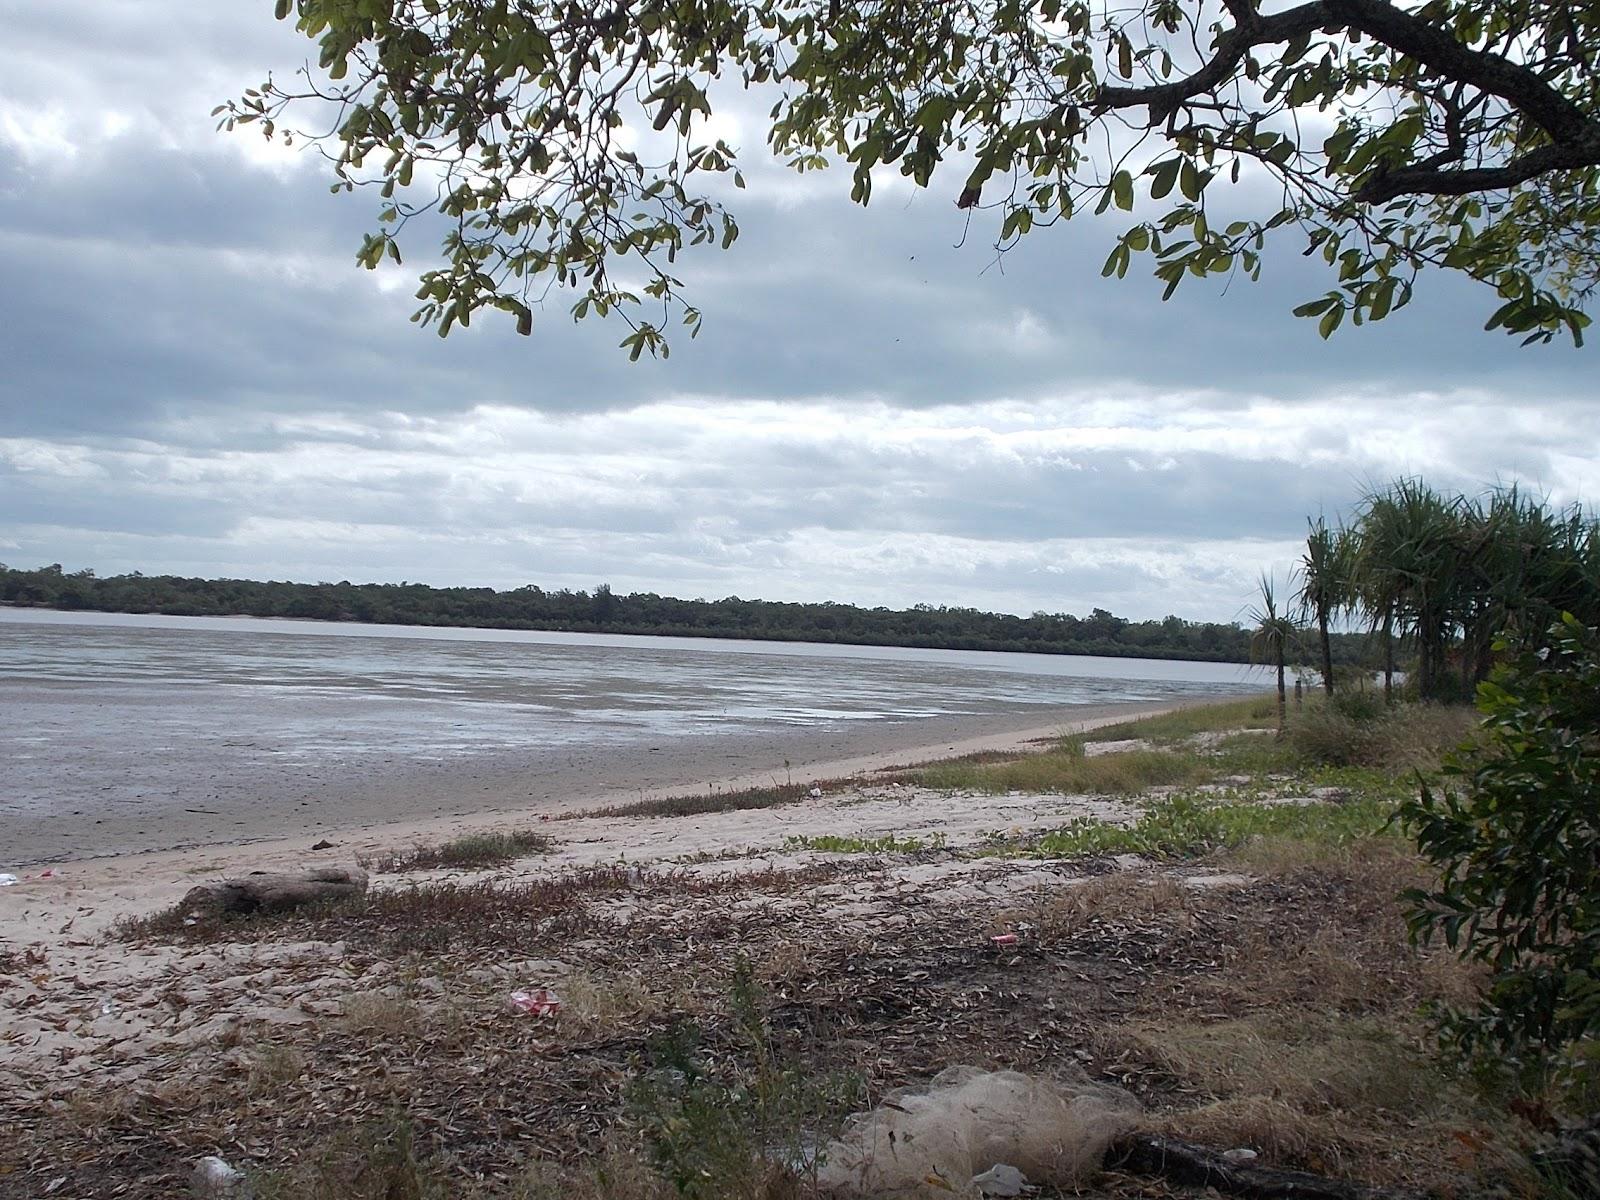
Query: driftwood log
(273, 891)
(1196, 1166)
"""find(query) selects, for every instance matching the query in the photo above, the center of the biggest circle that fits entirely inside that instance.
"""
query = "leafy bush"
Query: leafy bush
(745, 1128)
(1517, 844)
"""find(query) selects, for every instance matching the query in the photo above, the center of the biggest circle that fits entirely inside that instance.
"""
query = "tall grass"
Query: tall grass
(1067, 770)
(710, 801)
(1406, 738)
(1258, 712)
(467, 851)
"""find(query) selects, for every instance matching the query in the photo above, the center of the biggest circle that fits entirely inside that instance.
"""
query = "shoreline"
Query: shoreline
(421, 799)
(95, 891)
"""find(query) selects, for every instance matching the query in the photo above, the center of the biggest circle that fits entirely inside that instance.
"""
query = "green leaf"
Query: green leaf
(1164, 175)
(1122, 190)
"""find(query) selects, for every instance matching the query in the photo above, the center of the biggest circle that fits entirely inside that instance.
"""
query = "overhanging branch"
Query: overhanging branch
(1574, 135)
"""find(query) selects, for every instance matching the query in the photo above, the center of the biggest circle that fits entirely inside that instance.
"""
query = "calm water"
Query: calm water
(137, 710)
(456, 691)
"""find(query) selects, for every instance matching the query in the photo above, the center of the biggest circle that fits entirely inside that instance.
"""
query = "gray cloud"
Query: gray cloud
(199, 378)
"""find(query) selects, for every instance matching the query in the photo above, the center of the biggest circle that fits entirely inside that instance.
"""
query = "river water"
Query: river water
(118, 729)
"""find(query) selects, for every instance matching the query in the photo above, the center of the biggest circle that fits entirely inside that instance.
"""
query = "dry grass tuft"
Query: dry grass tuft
(1058, 913)
(472, 850)
(1277, 1130)
(1345, 1097)
(271, 1067)
(380, 1013)
(1300, 1056)
(594, 1003)
(714, 801)
(1400, 740)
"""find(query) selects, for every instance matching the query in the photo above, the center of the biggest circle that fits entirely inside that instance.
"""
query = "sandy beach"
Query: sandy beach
(167, 851)
(59, 914)
(893, 927)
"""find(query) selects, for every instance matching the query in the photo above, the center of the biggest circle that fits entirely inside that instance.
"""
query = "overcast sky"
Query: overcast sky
(198, 379)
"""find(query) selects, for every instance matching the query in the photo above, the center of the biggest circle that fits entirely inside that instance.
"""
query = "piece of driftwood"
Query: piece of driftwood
(273, 891)
(1196, 1166)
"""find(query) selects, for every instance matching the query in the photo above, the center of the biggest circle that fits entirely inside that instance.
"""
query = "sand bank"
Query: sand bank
(427, 798)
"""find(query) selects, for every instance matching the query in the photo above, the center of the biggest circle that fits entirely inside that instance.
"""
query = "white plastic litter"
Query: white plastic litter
(934, 1142)
(1240, 1155)
(215, 1179)
(8, 880)
(1002, 1179)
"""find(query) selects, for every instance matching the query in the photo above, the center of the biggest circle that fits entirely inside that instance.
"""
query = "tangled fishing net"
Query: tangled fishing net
(945, 1138)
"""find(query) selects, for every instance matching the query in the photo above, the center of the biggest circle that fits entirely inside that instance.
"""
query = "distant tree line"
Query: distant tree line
(603, 610)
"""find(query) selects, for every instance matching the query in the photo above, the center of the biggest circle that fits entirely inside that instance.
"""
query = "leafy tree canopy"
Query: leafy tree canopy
(564, 139)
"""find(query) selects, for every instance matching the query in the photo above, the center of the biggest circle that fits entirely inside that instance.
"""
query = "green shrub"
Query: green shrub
(741, 1128)
(1517, 842)
(1328, 737)
(1189, 826)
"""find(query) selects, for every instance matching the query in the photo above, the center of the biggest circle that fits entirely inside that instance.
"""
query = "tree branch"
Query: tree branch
(1575, 137)
(1166, 98)
(1423, 180)
(1431, 46)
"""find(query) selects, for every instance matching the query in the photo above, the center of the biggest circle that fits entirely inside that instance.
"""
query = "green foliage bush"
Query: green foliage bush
(742, 1128)
(1517, 844)
(1185, 826)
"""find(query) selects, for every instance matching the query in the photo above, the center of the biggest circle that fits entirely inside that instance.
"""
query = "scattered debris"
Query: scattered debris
(1003, 1179)
(324, 844)
(216, 1179)
(540, 1002)
(925, 1141)
(271, 891)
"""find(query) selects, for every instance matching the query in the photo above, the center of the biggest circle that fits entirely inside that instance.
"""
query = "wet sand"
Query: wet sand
(413, 798)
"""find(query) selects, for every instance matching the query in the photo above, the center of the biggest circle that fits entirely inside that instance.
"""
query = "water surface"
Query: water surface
(116, 718)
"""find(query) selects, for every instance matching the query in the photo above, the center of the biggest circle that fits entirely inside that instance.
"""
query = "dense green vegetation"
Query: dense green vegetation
(1447, 577)
(1514, 833)
(640, 613)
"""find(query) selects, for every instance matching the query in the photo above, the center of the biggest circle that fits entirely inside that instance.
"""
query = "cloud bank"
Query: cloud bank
(198, 379)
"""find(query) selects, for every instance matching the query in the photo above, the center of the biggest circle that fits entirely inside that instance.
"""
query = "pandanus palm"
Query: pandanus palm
(1408, 569)
(1325, 586)
(1271, 639)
